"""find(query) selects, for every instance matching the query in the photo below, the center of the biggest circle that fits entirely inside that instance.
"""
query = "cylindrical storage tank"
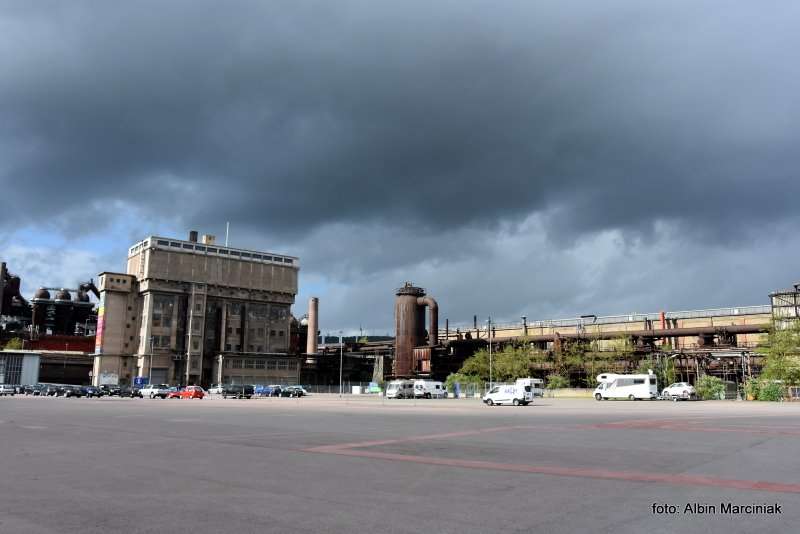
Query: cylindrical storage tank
(313, 325)
(409, 326)
(63, 317)
(82, 310)
(41, 300)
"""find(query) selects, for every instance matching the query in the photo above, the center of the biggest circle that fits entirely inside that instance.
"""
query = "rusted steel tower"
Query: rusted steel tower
(409, 313)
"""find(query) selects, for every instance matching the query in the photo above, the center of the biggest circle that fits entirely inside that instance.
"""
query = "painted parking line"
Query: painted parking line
(357, 450)
(697, 426)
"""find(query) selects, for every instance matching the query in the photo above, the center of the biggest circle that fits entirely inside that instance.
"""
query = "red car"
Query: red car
(189, 392)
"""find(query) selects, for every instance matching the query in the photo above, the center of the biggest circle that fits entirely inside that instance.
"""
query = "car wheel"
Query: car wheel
(515, 402)
(224, 396)
(631, 397)
(490, 402)
(597, 396)
(152, 396)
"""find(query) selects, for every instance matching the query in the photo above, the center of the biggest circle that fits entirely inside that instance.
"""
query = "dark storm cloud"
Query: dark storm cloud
(413, 135)
(290, 116)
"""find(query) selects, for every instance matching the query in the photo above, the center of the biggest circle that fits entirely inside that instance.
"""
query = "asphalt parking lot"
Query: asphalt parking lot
(363, 464)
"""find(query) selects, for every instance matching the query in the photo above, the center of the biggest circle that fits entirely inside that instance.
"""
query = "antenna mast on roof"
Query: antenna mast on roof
(227, 231)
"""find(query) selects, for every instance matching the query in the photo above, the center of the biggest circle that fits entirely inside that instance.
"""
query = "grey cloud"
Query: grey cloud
(410, 135)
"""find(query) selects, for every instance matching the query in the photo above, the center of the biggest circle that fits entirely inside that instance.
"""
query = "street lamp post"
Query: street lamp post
(341, 357)
(489, 333)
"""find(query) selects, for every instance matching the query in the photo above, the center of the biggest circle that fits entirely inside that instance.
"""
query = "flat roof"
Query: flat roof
(191, 247)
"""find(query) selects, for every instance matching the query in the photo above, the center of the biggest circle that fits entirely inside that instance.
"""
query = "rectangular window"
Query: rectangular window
(271, 364)
(200, 247)
(283, 365)
(223, 251)
(234, 253)
(288, 260)
(236, 364)
(162, 242)
(174, 244)
(638, 381)
(249, 364)
(163, 306)
(268, 258)
(246, 255)
(259, 364)
(228, 347)
(212, 250)
(257, 256)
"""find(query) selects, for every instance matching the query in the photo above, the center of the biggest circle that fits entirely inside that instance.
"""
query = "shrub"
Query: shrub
(14, 343)
(771, 391)
(557, 382)
(710, 387)
(752, 388)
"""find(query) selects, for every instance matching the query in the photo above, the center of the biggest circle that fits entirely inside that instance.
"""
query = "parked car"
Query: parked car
(216, 389)
(238, 391)
(53, 390)
(91, 391)
(156, 390)
(294, 391)
(73, 391)
(192, 392)
(174, 393)
(36, 389)
(6, 389)
(127, 391)
(110, 390)
(679, 390)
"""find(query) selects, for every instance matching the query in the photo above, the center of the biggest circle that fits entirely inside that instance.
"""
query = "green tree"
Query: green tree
(557, 382)
(14, 343)
(710, 387)
(782, 354)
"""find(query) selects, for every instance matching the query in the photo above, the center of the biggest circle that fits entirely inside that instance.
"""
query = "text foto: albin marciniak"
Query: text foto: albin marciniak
(730, 508)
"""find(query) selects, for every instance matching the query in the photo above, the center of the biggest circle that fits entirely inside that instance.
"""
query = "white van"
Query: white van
(400, 389)
(509, 394)
(632, 387)
(536, 384)
(428, 389)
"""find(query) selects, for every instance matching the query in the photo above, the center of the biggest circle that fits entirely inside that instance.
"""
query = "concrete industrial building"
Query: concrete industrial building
(194, 312)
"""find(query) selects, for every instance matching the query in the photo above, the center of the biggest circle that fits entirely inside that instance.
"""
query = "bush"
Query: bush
(752, 388)
(557, 382)
(710, 387)
(771, 391)
(14, 343)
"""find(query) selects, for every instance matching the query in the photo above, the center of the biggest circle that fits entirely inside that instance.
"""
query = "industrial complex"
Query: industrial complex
(195, 312)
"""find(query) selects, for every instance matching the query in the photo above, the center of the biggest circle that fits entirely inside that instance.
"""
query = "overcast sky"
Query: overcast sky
(545, 158)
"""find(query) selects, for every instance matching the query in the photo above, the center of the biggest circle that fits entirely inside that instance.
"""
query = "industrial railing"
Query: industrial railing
(626, 318)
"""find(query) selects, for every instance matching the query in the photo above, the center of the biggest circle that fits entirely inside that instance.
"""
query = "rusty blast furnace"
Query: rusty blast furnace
(409, 314)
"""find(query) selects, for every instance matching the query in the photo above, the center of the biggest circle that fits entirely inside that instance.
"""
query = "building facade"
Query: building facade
(189, 312)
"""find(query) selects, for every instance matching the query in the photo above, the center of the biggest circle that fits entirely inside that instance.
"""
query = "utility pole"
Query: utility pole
(341, 358)
(489, 335)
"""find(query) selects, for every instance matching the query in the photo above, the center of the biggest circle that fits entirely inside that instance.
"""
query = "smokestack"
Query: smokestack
(193, 236)
(207, 239)
(313, 325)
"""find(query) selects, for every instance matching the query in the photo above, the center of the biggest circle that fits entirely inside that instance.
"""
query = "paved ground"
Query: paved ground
(324, 464)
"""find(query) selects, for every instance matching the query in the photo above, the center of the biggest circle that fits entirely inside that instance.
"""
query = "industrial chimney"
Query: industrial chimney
(409, 313)
(313, 325)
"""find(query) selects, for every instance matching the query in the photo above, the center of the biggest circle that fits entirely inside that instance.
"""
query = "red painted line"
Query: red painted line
(603, 474)
(694, 426)
(361, 444)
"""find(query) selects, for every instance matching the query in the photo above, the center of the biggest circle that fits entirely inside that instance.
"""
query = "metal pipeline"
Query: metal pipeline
(668, 332)
(433, 329)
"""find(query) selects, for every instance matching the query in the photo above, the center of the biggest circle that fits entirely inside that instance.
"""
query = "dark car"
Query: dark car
(293, 391)
(110, 390)
(125, 391)
(36, 389)
(53, 390)
(91, 391)
(73, 391)
(237, 391)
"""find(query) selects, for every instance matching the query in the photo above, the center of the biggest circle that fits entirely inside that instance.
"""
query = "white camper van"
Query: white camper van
(632, 387)
(536, 385)
(428, 389)
(400, 389)
(515, 394)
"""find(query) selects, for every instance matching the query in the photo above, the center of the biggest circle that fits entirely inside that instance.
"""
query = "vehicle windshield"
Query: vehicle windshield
(495, 389)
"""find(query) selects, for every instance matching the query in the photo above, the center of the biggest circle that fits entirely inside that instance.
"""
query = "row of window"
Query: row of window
(258, 380)
(279, 365)
(217, 250)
